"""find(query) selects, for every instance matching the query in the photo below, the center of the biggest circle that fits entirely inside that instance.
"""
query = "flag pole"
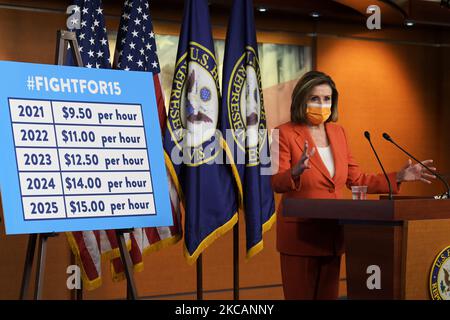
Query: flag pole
(236, 261)
(200, 277)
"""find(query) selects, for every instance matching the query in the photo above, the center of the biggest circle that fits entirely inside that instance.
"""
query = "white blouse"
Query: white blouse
(327, 158)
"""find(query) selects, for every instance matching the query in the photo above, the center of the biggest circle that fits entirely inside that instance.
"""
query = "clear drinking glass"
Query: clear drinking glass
(359, 192)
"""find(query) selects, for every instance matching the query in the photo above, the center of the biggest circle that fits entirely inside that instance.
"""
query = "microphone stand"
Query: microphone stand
(367, 135)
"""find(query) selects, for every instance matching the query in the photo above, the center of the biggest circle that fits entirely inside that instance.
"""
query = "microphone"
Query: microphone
(388, 138)
(367, 135)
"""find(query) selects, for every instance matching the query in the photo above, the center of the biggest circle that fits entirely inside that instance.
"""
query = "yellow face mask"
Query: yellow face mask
(317, 113)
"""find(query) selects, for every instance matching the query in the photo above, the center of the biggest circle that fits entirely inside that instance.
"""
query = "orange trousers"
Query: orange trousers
(310, 278)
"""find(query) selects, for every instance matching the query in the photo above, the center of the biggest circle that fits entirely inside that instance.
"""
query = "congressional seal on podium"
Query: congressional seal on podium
(440, 276)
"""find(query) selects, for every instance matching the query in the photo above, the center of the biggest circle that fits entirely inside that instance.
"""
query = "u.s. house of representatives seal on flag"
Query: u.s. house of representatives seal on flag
(194, 120)
(440, 276)
(247, 118)
(193, 145)
(243, 116)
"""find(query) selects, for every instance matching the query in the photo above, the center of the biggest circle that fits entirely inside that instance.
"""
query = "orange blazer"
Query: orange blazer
(316, 237)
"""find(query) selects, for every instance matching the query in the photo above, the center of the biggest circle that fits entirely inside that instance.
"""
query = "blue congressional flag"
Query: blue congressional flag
(243, 114)
(92, 36)
(194, 148)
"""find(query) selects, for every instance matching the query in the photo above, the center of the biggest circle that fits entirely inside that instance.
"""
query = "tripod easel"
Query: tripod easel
(65, 38)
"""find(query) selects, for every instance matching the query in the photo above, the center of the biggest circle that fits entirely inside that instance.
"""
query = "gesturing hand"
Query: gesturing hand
(416, 172)
(303, 163)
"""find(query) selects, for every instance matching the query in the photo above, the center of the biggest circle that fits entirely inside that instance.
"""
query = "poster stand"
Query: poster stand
(65, 38)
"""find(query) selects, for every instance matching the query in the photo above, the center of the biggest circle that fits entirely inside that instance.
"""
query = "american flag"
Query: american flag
(92, 36)
(136, 47)
(89, 247)
(136, 51)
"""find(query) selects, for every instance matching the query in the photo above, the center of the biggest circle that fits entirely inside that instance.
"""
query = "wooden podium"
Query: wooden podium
(402, 236)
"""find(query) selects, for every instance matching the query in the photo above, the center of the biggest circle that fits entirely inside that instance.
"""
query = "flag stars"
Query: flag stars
(93, 44)
(135, 41)
(74, 21)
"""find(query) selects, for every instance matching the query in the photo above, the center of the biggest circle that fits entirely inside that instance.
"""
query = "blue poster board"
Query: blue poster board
(80, 149)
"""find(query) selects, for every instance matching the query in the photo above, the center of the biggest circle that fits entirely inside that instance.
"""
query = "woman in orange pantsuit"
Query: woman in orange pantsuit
(314, 162)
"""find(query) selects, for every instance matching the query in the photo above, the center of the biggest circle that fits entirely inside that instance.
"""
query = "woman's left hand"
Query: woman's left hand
(416, 172)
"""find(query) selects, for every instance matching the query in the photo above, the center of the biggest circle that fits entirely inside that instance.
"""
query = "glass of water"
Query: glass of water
(359, 192)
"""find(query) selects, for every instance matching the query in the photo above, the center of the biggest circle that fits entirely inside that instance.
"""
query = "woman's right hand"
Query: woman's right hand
(303, 163)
